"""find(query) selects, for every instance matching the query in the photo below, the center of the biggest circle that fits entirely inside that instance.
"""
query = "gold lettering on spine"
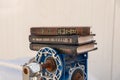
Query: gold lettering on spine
(73, 31)
(65, 40)
(66, 31)
(61, 31)
(38, 39)
(58, 31)
(42, 31)
(49, 31)
(33, 39)
(69, 40)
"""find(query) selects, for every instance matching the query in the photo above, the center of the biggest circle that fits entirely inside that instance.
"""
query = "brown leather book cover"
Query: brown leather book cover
(68, 49)
(60, 31)
(70, 39)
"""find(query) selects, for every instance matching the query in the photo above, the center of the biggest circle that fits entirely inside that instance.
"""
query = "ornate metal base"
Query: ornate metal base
(52, 65)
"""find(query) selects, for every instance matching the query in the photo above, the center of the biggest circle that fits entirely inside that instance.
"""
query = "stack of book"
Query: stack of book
(68, 40)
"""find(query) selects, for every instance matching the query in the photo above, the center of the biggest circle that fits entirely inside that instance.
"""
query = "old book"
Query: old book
(71, 39)
(68, 49)
(60, 31)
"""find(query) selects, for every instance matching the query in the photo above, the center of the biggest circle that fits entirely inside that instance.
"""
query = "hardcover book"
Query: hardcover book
(60, 31)
(71, 39)
(68, 49)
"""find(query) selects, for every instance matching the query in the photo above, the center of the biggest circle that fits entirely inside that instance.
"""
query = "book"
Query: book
(71, 39)
(60, 31)
(67, 49)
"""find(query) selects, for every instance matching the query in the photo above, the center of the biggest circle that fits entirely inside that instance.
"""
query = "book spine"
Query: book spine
(54, 39)
(68, 50)
(61, 31)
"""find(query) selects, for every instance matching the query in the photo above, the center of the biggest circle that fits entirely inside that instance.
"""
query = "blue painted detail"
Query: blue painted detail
(67, 65)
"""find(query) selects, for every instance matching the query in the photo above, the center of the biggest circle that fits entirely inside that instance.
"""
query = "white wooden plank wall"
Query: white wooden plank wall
(116, 46)
(102, 21)
(17, 16)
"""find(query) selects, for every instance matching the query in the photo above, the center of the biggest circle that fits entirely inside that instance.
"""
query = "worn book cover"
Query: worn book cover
(80, 30)
(71, 39)
(68, 49)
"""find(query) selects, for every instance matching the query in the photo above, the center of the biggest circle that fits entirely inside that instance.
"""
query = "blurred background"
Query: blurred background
(17, 16)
